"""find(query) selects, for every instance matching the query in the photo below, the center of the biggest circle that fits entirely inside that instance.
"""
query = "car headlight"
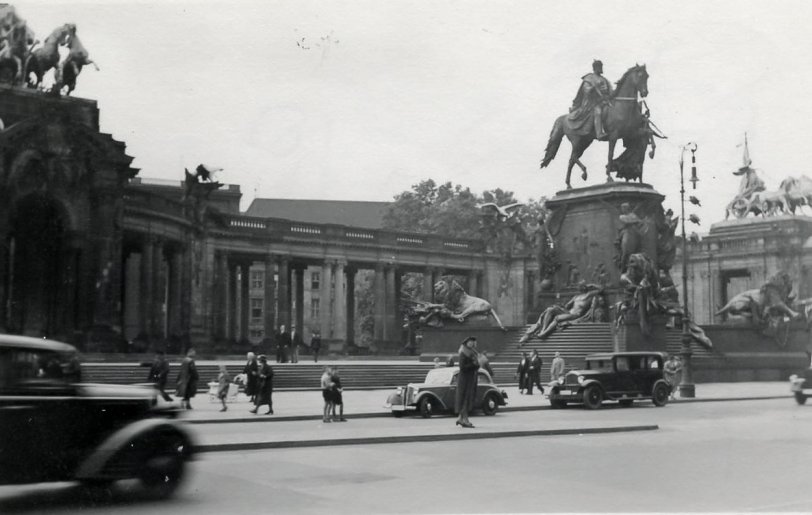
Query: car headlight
(560, 380)
(580, 379)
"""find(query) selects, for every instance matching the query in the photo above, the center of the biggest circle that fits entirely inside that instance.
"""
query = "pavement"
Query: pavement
(296, 421)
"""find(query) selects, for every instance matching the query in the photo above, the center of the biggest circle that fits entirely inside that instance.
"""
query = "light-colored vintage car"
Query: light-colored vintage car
(437, 394)
(801, 385)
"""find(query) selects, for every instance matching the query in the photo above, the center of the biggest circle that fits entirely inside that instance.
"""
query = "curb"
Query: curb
(298, 418)
(416, 438)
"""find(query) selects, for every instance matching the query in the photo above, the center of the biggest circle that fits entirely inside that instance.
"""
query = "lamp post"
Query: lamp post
(686, 386)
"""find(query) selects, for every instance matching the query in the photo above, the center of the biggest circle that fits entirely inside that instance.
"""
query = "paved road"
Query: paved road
(722, 456)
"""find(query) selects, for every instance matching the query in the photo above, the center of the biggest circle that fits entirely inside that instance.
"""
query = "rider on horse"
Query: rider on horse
(594, 93)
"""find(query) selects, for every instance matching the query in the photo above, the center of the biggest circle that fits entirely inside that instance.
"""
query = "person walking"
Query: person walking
(295, 342)
(671, 373)
(337, 397)
(466, 381)
(315, 346)
(223, 382)
(326, 393)
(187, 380)
(265, 387)
(159, 374)
(283, 344)
(521, 372)
(557, 367)
(251, 371)
(534, 373)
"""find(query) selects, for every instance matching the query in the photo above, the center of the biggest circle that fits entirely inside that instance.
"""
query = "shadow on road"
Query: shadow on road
(72, 497)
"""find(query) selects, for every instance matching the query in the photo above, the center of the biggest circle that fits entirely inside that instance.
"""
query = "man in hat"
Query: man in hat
(594, 93)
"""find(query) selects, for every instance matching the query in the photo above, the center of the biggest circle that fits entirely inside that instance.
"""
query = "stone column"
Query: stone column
(233, 289)
(473, 283)
(428, 285)
(299, 273)
(326, 308)
(158, 292)
(245, 301)
(3, 277)
(350, 308)
(390, 332)
(380, 302)
(340, 304)
(222, 289)
(175, 288)
(145, 303)
(270, 297)
(284, 291)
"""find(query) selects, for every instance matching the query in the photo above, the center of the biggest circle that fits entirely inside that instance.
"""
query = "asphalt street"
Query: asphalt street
(718, 456)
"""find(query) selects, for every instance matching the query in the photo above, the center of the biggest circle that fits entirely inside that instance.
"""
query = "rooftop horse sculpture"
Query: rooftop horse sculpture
(623, 121)
(71, 67)
(47, 56)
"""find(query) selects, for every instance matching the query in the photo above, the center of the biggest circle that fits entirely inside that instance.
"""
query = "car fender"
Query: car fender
(394, 399)
(589, 382)
(433, 397)
(105, 456)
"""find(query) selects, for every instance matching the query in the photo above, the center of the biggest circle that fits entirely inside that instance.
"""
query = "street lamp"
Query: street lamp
(686, 386)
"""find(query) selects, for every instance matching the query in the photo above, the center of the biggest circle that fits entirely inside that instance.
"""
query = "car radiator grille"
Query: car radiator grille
(571, 380)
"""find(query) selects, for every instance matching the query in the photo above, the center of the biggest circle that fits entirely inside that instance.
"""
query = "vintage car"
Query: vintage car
(620, 376)
(437, 394)
(801, 385)
(53, 428)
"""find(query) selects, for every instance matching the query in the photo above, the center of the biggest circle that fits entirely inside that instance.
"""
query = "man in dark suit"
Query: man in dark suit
(315, 346)
(534, 373)
(521, 372)
(295, 342)
(283, 343)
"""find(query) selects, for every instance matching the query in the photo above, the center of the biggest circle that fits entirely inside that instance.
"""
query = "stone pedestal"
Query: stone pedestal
(584, 224)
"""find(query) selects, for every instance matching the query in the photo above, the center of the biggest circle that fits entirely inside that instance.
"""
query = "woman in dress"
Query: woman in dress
(265, 386)
(466, 381)
(223, 382)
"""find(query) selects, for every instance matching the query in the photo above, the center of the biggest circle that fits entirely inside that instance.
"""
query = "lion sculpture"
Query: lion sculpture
(459, 304)
(761, 304)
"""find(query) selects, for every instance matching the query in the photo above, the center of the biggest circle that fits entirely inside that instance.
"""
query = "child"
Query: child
(223, 381)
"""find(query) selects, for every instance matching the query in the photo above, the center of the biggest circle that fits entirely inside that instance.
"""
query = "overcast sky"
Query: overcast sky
(378, 95)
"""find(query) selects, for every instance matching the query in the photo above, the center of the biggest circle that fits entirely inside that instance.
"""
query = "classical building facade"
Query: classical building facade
(93, 254)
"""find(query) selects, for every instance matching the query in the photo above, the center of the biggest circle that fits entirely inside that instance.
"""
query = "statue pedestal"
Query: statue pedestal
(584, 224)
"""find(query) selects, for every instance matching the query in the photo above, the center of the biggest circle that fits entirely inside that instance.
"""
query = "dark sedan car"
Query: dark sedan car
(438, 392)
(55, 429)
(620, 376)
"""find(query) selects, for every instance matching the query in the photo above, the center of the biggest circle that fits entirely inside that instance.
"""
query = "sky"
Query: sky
(359, 100)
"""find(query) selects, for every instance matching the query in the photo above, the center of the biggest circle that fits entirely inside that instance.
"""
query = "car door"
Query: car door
(483, 384)
(622, 381)
(449, 395)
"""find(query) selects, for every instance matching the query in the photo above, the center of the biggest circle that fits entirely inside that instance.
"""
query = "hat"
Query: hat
(262, 357)
(468, 339)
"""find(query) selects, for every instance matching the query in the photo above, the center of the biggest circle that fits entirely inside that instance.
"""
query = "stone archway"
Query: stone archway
(41, 268)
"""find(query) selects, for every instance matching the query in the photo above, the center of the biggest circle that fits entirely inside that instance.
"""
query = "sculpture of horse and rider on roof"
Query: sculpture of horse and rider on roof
(23, 62)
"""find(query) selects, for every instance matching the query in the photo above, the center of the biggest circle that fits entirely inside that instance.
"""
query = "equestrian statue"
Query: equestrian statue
(599, 112)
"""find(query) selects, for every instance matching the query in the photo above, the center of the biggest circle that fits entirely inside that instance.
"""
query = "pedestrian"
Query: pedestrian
(251, 371)
(337, 397)
(283, 344)
(295, 342)
(326, 393)
(671, 373)
(557, 367)
(521, 372)
(485, 364)
(159, 374)
(187, 380)
(223, 382)
(450, 361)
(315, 346)
(466, 381)
(265, 387)
(534, 372)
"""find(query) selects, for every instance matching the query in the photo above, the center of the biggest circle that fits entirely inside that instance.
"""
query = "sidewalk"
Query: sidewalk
(307, 405)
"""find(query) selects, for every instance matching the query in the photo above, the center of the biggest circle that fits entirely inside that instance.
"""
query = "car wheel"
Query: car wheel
(626, 402)
(660, 393)
(426, 407)
(800, 398)
(490, 404)
(162, 469)
(593, 396)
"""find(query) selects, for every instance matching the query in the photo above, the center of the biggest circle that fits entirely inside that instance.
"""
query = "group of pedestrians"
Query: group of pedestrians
(331, 391)
(187, 378)
(528, 372)
(288, 345)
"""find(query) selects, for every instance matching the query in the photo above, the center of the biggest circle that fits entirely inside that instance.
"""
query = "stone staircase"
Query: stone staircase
(573, 342)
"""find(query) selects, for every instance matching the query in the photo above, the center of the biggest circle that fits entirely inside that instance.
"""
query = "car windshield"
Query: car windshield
(601, 365)
(440, 375)
(26, 365)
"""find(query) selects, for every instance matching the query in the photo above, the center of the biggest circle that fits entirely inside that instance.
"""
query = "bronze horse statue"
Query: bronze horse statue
(47, 56)
(623, 120)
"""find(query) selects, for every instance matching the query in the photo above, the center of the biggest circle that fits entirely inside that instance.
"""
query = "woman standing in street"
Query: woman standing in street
(466, 381)
(265, 387)
(187, 380)
(671, 373)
